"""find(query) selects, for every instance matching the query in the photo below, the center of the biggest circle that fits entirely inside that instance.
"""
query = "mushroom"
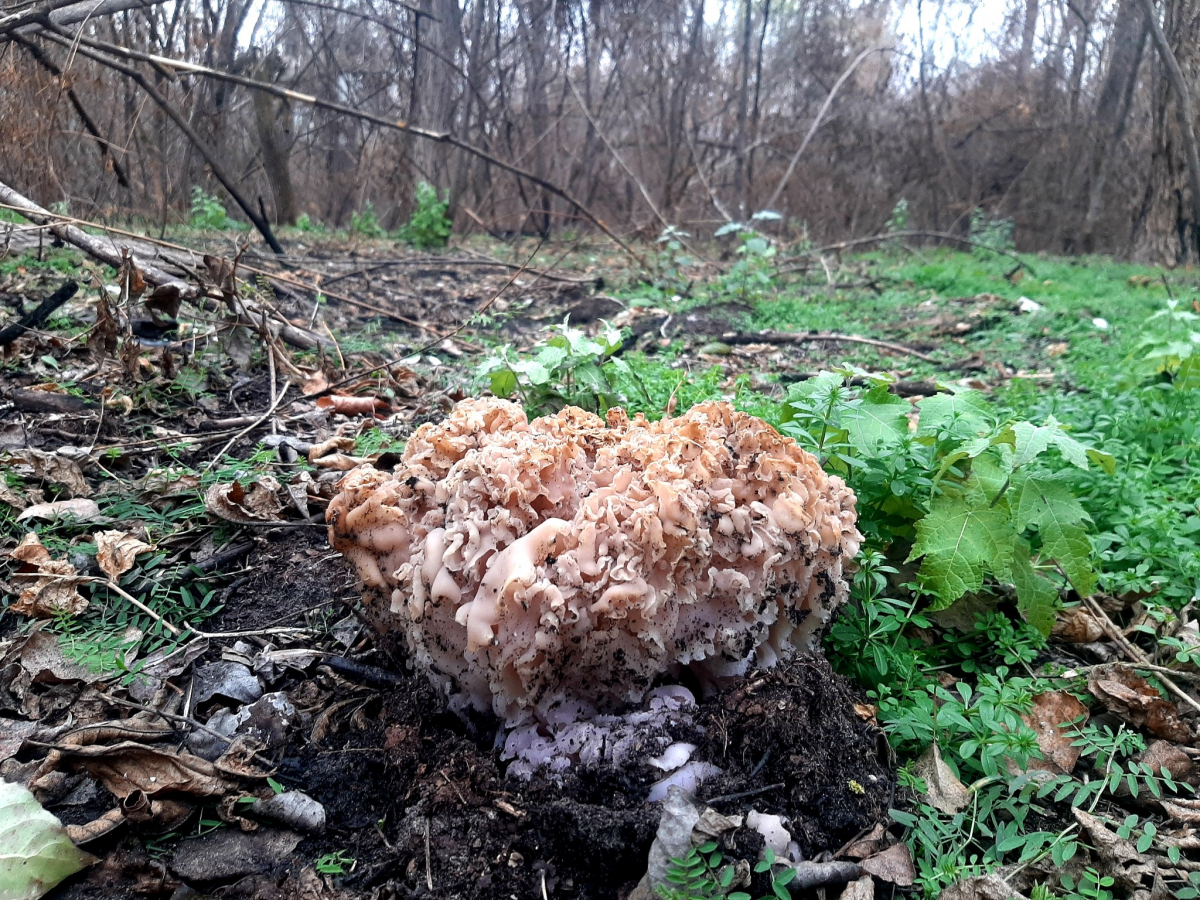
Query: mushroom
(557, 570)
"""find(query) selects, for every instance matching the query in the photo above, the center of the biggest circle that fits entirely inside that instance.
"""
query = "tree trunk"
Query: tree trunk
(273, 120)
(1028, 33)
(1168, 225)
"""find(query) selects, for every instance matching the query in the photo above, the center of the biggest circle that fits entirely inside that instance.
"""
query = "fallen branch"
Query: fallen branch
(814, 875)
(107, 251)
(804, 337)
(39, 315)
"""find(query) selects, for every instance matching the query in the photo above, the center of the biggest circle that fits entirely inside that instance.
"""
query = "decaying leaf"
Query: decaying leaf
(353, 406)
(893, 864)
(47, 467)
(1050, 717)
(944, 791)
(259, 502)
(985, 887)
(1120, 856)
(334, 444)
(48, 586)
(128, 767)
(315, 383)
(1136, 701)
(116, 552)
(164, 302)
(79, 508)
(35, 852)
(1077, 626)
(11, 497)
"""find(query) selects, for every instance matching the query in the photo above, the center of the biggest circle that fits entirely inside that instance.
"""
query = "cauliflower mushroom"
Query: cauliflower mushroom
(556, 570)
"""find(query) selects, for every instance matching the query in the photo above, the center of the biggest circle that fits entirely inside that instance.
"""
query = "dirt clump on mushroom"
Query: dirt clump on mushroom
(556, 570)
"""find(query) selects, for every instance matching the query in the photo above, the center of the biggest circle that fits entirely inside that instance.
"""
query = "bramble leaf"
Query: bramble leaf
(960, 542)
(35, 852)
(880, 420)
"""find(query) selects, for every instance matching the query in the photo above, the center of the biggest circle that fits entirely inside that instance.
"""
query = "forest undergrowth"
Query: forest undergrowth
(1023, 621)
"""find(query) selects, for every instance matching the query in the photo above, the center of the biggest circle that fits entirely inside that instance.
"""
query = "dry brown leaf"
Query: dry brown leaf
(116, 552)
(48, 586)
(985, 887)
(893, 865)
(863, 889)
(48, 467)
(315, 383)
(245, 506)
(324, 448)
(1050, 717)
(165, 301)
(353, 406)
(11, 497)
(340, 462)
(1120, 856)
(129, 767)
(1077, 626)
(1183, 809)
(83, 510)
(866, 711)
(97, 828)
(943, 789)
(1136, 701)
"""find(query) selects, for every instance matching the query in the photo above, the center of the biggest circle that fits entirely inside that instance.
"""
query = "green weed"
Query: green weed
(429, 227)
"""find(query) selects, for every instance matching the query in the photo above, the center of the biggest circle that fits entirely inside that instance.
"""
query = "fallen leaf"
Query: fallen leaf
(1051, 717)
(1120, 856)
(48, 467)
(12, 736)
(353, 406)
(985, 887)
(128, 767)
(1077, 626)
(11, 497)
(48, 586)
(83, 510)
(116, 552)
(863, 889)
(1136, 701)
(866, 711)
(943, 789)
(340, 462)
(893, 865)
(227, 854)
(334, 444)
(35, 852)
(245, 506)
(315, 383)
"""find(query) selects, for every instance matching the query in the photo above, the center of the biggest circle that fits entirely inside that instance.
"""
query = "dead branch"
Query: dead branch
(107, 251)
(39, 315)
(66, 12)
(210, 157)
(440, 137)
(102, 143)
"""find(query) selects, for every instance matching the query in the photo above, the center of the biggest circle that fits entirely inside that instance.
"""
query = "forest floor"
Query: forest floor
(174, 462)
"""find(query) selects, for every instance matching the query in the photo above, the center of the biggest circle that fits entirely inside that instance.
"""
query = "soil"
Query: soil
(416, 798)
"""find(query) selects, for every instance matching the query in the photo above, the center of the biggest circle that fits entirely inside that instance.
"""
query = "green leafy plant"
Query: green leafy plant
(703, 874)
(208, 212)
(1170, 346)
(990, 234)
(339, 862)
(308, 225)
(364, 223)
(429, 227)
(569, 369)
(898, 220)
(968, 491)
(752, 276)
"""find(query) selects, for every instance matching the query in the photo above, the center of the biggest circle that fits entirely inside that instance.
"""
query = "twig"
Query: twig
(233, 440)
(116, 589)
(1136, 656)
(801, 337)
(743, 794)
(428, 867)
(40, 314)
